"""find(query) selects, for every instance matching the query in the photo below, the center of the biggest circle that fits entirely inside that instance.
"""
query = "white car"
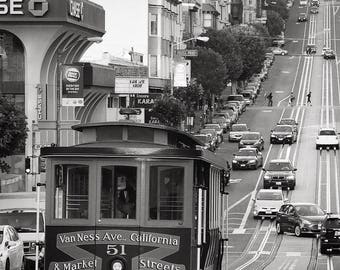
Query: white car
(236, 132)
(268, 202)
(324, 49)
(327, 137)
(279, 51)
(11, 248)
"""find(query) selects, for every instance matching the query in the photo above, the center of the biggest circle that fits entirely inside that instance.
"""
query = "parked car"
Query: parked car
(279, 51)
(252, 139)
(327, 137)
(247, 158)
(329, 54)
(207, 140)
(311, 48)
(279, 173)
(268, 202)
(213, 135)
(238, 106)
(300, 218)
(236, 132)
(11, 248)
(218, 129)
(324, 49)
(248, 97)
(239, 98)
(289, 122)
(278, 42)
(315, 3)
(314, 10)
(302, 17)
(254, 88)
(223, 120)
(283, 134)
(229, 113)
(330, 234)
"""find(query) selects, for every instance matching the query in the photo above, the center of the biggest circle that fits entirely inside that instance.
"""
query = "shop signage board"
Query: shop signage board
(131, 80)
(144, 100)
(187, 53)
(72, 85)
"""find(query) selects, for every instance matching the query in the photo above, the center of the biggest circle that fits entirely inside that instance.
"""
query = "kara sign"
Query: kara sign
(144, 100)
(72, 85)
(15, 7)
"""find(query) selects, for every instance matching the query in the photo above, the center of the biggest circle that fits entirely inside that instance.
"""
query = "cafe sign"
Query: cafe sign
(72, 85)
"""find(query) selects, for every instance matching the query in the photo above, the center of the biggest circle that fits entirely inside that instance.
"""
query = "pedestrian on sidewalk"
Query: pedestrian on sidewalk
(270, 99)
(309, 98)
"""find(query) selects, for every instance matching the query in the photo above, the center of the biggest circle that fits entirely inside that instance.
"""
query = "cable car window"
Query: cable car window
(71, 191)
(118, 192)
(166, 199)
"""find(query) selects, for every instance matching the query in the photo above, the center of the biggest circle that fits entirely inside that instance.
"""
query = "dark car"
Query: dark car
(329, 54)
(251, 139)
(311, 49)
(330, 234)
(299, 218)
(279, 173)
(314, 10)
(283, 134)
(247, 158)
(315, 3)
(289, 122)
(302, 17)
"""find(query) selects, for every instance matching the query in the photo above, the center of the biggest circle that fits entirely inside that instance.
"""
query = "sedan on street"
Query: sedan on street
(314, 10)
(253, 140)
(330, 234)
(268, 202)
(300, 218)
(279, 51)
(11, 248)
(329, 54)
(289, 122)
(218, 130)
(207, 140)
(327, 137)
(236, 132)
(283, 134)
(247, 158)
(279, 173)
(302, 17)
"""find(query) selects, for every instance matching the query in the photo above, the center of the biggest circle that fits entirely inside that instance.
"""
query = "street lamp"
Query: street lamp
(204, 39)
(59, 55)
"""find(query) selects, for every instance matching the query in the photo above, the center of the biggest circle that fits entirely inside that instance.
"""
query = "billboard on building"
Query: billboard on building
(131, 80)
(72, 85)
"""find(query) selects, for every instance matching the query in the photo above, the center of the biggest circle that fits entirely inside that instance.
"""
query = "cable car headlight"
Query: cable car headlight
(117, 264)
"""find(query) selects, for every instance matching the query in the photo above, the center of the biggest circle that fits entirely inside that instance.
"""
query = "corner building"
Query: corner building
(36, 37)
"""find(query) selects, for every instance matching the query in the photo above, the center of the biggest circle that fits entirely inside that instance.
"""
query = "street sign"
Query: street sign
(187, 53)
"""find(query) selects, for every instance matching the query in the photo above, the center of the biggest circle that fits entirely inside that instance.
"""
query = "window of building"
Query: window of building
(207, 20)
(71, 191)
(118, 192)
(154, 24)
(122, 102)
(166, 193)
(153, 66)
(250, 2)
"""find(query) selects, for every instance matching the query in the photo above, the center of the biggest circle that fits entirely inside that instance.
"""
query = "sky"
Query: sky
(125, 28)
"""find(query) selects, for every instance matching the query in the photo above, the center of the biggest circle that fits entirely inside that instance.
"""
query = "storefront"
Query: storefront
(36, 38)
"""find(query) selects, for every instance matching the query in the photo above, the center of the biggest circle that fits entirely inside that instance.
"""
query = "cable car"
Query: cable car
(134, 196)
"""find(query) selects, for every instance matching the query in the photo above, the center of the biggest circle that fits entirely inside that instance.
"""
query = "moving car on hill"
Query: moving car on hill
(268, 202)
(247, 158)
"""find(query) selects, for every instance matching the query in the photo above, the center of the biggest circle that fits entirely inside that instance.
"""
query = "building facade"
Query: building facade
(36, 38)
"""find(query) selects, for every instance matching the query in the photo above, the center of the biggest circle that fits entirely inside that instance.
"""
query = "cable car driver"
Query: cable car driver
(126, 198)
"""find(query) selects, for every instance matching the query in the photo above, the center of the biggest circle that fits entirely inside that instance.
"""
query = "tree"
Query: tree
(253, 49)
(189, 96)
(169, 111)
(275, 23)
(280, 7)
(224, 43)
(209, 70)
(264, 33)
(13, 131)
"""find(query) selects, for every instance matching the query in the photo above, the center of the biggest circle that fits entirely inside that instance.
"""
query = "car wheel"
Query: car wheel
(234, 168)
(292, 187)
(8, 267)
(317, 147)
(278, 228)
(297, 231)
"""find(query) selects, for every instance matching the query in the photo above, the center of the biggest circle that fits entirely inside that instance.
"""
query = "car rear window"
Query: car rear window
(273, 196)
(250, 136)
(239, 128)
(283, 129)
(333, 223)
(238, 98)
(327, 132)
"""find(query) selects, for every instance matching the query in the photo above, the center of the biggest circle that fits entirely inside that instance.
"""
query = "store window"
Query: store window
(71, 191)
(118, 192)
(166, 199)
(12, 68)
